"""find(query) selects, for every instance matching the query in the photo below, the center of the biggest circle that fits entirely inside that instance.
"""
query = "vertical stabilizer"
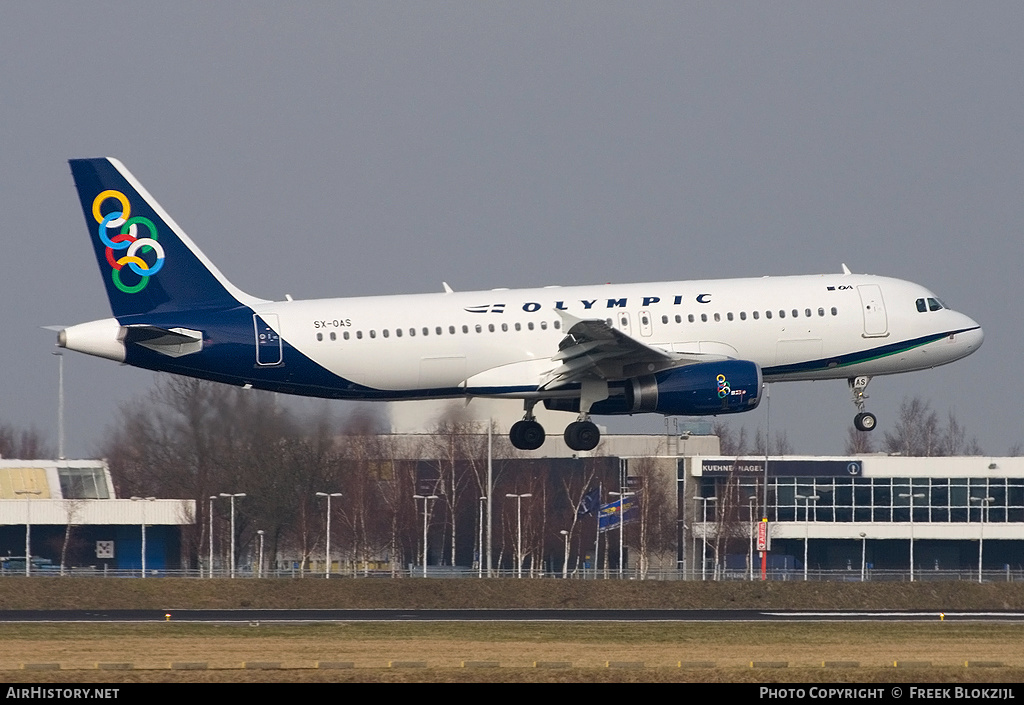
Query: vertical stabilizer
(148, 263)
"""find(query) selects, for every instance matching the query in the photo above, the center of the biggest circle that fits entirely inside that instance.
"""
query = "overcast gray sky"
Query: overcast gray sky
(337, 148)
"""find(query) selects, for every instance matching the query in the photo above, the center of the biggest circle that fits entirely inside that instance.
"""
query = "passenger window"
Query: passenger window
(465, 329)
(504, 327)
(782, 314)
(743, 315)
(385, 332)
(757, 315)
(835, 311)
(519, 326)
(543, 325)
(690, 318)
(451, 330)
(679, 319)
(479, 328)
(490, 327)
(704, 318)
(821, 312)
(346, 335)
(373, 334)
(319, 336)
(729, 315)
(412, 332)
(530, 325)
(334, 336)
(398, 333)
(718, 317)
(359, 335)
(767, 314)
(664, 319)
(557, 325)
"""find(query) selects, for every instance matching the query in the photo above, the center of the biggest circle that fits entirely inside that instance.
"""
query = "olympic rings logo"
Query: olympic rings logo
(126, 240)
(723, 387)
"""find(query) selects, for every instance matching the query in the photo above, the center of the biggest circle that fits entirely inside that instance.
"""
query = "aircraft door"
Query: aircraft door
(268, 342)
(876, 324)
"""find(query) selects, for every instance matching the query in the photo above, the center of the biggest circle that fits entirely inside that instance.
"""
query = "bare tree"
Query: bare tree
(859, 442)
(918, 433)
(25, 444)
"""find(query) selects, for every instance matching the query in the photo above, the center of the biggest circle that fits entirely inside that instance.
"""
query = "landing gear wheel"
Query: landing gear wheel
(582, 435)
(527, 435)
(865, 421)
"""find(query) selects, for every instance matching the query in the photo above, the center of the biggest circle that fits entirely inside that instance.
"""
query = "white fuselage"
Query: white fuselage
(501, 342)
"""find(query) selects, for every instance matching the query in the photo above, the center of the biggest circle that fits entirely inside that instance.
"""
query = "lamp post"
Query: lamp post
(328, 495)
(911, 495)
(426, 511)
(480, 541)
(259, 572)
(751, 501)
(704, 546)
(28, 528)
(622, 524)
(981, 536)
(565, 560)
(808, 498)
(232, 497)
(863, 554)
(60, 404)
(143, 499)
(519, 531)
(210, 515)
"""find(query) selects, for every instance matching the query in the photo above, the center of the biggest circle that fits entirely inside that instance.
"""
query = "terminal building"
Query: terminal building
(858, 513)
(66, 512)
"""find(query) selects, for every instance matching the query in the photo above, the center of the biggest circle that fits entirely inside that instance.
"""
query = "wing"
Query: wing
(593, 349)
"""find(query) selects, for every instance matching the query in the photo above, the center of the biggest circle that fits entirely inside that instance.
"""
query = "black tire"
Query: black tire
(582, 435)
(526, 435)
(865, 421)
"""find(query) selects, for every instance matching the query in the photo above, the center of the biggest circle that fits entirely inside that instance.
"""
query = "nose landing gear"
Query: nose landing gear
(864, 420)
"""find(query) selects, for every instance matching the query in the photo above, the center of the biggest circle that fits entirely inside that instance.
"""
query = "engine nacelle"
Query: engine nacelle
(726, 387)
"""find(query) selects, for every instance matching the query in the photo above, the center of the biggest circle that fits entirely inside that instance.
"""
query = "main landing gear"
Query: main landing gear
(528, 434)
(864, 420)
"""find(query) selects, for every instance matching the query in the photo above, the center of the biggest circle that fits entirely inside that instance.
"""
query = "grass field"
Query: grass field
(444, 646)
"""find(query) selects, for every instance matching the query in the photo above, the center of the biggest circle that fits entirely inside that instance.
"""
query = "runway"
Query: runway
(286, 616)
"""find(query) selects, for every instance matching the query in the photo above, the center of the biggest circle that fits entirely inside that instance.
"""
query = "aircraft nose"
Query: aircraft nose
(973, 337)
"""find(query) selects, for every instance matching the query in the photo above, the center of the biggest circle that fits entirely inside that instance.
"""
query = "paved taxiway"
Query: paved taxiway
(498, 615)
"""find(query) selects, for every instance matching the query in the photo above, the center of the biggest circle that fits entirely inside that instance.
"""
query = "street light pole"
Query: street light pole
(807, 527)
(863, 554)
(565, 560)
(328, 495)
(210, 516)
(480, 541)
(519, 531)
(232, 497)
(622, 524)
(28, 529)
(60, 405)
(426, 511)
(259, 572)
(143, 499)
(981, 536)
(911, 495)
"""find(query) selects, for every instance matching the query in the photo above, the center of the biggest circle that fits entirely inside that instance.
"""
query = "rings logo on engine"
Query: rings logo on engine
(723, 387)
(143, 256)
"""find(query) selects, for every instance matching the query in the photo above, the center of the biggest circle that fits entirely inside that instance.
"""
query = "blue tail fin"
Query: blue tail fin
(148, 263)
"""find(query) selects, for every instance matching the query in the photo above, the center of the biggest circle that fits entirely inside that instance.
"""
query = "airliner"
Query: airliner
(685, 348)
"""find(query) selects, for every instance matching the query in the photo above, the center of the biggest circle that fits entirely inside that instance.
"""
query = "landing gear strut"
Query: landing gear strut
(864, 420)
(527, 434)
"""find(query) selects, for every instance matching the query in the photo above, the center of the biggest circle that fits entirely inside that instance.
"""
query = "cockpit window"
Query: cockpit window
(929, 304)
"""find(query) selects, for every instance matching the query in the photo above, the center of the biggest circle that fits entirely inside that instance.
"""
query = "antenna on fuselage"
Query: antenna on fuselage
(447, 289)
(846, 270)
